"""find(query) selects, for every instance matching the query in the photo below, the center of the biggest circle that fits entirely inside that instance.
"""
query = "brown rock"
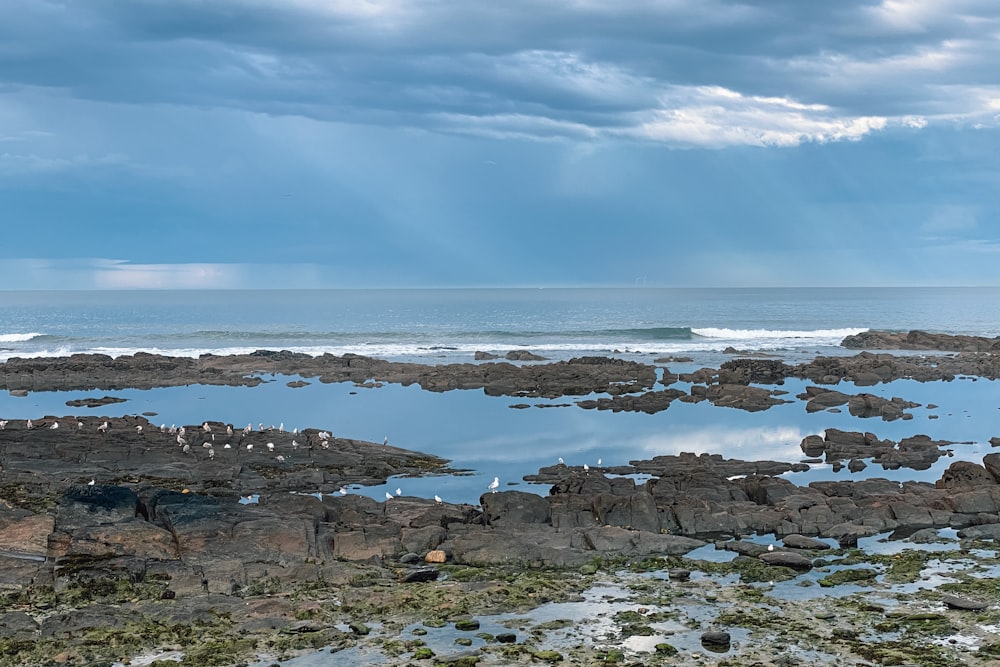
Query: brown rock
(436, 556)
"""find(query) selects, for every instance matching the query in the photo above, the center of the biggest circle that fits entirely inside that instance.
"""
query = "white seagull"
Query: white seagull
(437, 498)
(399, 491)
(54, 425)
(494, 485)
(388, 496)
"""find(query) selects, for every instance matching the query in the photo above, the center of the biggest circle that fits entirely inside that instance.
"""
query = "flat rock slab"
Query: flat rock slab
(956, 602)
(786, 559)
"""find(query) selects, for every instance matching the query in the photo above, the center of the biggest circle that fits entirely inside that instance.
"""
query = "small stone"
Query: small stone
(679, 574)
(467, 624)
(506, 638)
(359, 628)
(715, 638)
(436, 556)
(409, 558)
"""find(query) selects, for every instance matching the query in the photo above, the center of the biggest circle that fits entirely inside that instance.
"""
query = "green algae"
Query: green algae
(861, 575)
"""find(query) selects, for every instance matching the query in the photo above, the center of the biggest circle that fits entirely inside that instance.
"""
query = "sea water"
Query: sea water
(487, 436)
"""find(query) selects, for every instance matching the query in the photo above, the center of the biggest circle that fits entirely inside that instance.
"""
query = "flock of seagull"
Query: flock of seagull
(207, 434)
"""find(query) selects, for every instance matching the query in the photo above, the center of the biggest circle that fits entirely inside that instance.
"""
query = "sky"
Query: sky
(473, 143)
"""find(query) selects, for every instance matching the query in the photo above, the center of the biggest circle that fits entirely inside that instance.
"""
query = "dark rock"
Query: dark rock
(95, 402)
(506, 637)
(420, 574)
(965, 475)
(715, 638)
(514, 507)
(956, 602)
(786, 559)
(801, 542)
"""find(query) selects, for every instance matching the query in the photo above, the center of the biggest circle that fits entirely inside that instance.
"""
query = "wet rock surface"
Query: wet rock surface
(117, 536)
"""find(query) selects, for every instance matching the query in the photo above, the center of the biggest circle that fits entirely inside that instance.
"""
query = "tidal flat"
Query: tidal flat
(661, 537)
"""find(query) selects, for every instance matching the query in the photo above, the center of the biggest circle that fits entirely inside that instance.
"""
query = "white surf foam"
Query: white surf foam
(18, 337)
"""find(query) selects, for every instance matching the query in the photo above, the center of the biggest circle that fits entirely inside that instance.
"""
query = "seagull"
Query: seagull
(163, 428)
(270, 446)
(211, 453)
(181, 440)
(295, 445)
(227, 446)
(29, 424)
(138, 428)
(91, 482)
(79, 425)
(385, 441)
(206, 427)
(343, 491)
(54, 425)
(3, 424)
(229, 429)
(280, 458)
(186, 449)
(561, 462)
(103, 428)
(388, 496)
(494, 484)
(281, 427)
(598, 461)
(770, 547)
(399, 491)
(437, 498)
(586, 467)
(250, 447)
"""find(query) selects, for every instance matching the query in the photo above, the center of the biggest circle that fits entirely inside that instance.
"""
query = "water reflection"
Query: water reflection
(485, 436)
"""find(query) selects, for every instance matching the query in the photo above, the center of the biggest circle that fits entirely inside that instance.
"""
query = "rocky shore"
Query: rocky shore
(215, 543)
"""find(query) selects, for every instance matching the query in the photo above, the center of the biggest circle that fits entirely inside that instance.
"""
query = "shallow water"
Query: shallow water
(486, 437)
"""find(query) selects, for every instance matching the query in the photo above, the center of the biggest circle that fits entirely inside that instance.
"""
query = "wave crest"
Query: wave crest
(18, 337)
(775, 334)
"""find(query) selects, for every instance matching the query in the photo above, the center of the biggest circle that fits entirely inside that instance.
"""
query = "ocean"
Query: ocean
(484, 435)
(440, 325)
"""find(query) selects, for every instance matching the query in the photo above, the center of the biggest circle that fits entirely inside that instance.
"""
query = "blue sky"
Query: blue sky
(394, 143)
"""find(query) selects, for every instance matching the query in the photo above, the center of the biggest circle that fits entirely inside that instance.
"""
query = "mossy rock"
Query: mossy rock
(664, 648)
(467, 624)
(463, 641)
(547, 656)
(423, 653)
(849, 576)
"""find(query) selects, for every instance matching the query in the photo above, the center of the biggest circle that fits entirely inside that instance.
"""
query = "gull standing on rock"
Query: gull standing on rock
(494, 485)
(54, 425)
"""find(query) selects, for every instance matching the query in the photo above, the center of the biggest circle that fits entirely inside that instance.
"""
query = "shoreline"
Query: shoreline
(296, 571)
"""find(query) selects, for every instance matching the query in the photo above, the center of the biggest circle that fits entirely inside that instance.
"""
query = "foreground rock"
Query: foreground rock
(104, 559)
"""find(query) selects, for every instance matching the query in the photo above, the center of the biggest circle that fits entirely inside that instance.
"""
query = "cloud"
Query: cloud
(574, 69)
